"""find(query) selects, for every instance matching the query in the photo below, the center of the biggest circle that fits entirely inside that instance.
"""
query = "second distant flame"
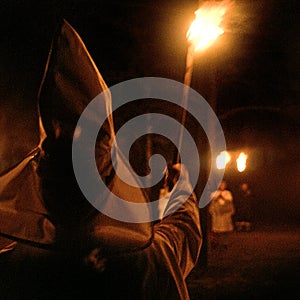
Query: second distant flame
(241, 162)
(206, 27)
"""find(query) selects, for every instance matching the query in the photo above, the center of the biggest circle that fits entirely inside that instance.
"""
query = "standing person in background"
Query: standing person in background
(244, 208)
(221, 209)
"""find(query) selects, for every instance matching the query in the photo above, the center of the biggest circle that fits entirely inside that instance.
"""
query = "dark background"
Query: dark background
(250, 75)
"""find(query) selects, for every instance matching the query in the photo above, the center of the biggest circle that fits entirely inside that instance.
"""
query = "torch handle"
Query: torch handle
(187, 83)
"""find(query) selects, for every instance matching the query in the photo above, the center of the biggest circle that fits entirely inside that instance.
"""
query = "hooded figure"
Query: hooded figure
(54, 243)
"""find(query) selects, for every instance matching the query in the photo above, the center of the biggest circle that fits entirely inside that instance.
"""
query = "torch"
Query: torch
(202, 33)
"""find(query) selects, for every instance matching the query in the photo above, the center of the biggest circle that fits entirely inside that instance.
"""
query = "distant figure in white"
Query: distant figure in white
(221, 209)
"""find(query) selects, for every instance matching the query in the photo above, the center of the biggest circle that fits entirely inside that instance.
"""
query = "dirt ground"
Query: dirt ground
(262, 264)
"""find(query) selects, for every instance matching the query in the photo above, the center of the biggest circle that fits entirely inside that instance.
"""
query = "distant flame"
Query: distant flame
(222, 160)
(241, 162)
(205, 29)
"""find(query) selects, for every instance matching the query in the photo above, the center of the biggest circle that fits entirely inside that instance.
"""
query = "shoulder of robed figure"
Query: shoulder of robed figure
(227, 195)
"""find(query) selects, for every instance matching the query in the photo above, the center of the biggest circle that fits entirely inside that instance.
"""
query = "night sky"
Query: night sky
(255, 62)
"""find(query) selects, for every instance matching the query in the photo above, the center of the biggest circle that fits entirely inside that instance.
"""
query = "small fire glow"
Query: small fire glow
(241, 162)
(222, 160)
(205, 29)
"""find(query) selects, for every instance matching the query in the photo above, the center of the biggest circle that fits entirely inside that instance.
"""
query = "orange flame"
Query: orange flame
(205, 29)
(223, 159)
(241, 162)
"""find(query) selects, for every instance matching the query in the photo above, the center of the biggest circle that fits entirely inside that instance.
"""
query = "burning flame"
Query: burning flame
(241, 162)
(205, 29)
(222, 160)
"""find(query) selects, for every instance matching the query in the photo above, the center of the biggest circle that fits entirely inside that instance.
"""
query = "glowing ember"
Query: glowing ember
(241, 162)
(205, 29)
(222, 160)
